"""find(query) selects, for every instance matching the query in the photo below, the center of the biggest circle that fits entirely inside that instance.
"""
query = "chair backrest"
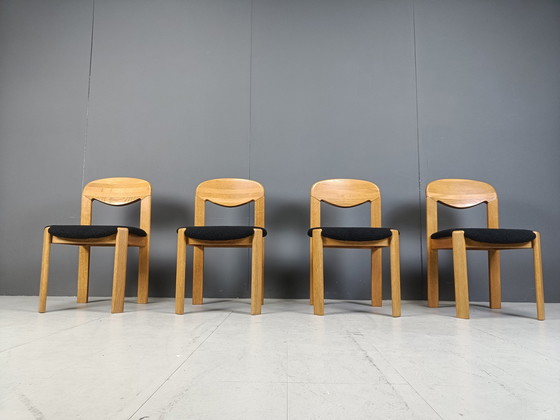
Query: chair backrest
(229, 192)
(345, 193)
(118, 192)
(460, 194)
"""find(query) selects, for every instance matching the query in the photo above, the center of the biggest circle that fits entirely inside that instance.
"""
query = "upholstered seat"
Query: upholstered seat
(91, 231)
(496, 236)
(359, 234)
(221, 233)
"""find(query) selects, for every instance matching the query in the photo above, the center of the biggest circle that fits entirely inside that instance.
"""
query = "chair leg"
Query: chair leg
(83, 273)
(318, 278)
(494, 279)
(256, 272)
(198, 275)
(395, 274)
(262, 273)
(460, 271)
(539, 288)
(180, 272)
(143, 273)
(45, 262)
(376, 277)
(119, 270)
(433, 281)
(310, 271)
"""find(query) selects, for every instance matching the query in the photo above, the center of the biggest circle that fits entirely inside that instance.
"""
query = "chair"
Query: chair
(461, 194)
(351, 193)
(115, 192)
(227, 192)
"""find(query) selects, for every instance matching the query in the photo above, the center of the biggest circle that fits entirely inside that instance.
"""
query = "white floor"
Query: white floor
(218, 362)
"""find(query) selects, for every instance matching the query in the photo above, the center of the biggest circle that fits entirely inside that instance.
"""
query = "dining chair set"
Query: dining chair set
(344, 193)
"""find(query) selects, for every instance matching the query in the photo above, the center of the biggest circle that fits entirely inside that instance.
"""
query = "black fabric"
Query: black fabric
(353, 233)
(496, 236)
(221, 233)
(90, 231)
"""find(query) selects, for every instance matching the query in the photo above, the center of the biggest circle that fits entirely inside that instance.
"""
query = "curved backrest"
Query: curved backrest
(118, 192)
(345, 193)
(461, 194)
(229, 192)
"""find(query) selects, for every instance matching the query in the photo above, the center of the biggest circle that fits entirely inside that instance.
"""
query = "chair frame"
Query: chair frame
(115, 192)
(226, 192)
(462, 194)
(347, 193)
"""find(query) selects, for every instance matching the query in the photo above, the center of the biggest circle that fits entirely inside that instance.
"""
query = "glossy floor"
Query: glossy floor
(218, 362)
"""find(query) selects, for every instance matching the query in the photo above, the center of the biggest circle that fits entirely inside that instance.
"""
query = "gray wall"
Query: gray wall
(398, 92)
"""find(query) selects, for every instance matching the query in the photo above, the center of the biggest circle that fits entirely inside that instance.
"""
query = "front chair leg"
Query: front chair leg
(45, 262)
(119, 270)
(311, 271)
(376, 277)
(180, 272)
(262, 273)
(539, 288)
(143, 273)
(83, 273)
(256, 272)
(318, 279)
(494, 279)
(198, 275)
(433, 281)
(395, 273)
(460, 271)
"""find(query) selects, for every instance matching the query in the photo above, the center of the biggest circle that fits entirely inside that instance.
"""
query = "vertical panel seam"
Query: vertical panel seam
(88, 96)
(418, 138)
(250, 134)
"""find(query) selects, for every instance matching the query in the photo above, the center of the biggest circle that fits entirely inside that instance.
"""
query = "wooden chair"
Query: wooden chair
(461, 194)
(115, 192)
(227, 192)
(351, 193)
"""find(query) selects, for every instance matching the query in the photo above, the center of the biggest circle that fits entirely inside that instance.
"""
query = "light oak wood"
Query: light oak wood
(44, 283)
(539, 288)
(227, 192)
(461, 194)
(350, 193)
(115, 192)
(395, 273)
(256, 272)
(119, 270)
(460, 271)
(180, 272)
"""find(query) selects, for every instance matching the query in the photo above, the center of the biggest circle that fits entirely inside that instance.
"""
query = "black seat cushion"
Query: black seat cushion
(353, 233)
(495, 236)
(90, 231)
(221, 233)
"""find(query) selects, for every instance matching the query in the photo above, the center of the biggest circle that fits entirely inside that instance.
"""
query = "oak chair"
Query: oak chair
(114, 192)
(351, 193)
(227, 192)
(462, 194)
